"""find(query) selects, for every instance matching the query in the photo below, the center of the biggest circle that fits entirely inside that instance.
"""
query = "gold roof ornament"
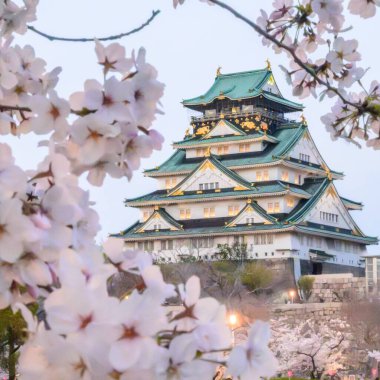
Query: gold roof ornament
(218, 73)
(208, 152)
(156, 208)
(303, 119)
(268, 67)
(187, 132)
(249, 200)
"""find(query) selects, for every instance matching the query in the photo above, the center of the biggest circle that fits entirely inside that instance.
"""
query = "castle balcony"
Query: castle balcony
(211, 116)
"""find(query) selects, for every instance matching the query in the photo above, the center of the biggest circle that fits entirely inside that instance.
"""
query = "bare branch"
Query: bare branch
(290, 50)
(109, 38)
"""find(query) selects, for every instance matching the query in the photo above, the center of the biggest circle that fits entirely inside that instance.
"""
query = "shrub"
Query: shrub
(256, 276)
(305, 284)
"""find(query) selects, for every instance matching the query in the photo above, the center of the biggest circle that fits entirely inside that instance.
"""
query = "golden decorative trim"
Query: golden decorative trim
(199, 192)
(156, 208)
(217, 190)
(239, 188)
(178, 192)
(268, 65)
(218, 71)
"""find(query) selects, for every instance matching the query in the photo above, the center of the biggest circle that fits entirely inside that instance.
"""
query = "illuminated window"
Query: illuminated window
(184, 213)
(290, 202)
(270, 207)
(244, 148)
(209, 212)
(233, 210)
(276, 207)
(285, 176)
(259, 176)
(266, 175)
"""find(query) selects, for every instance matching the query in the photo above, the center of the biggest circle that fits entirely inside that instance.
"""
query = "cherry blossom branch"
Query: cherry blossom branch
(108, 38)
(290, 50)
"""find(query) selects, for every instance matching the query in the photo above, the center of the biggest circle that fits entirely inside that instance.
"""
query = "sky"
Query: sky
(186, 46)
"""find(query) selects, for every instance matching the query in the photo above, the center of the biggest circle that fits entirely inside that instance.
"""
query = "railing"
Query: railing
(262, 112)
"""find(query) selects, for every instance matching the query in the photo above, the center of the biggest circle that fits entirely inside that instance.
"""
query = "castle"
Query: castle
(246, 174)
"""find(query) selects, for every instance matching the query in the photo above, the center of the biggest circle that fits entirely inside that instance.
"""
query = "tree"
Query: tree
(310, 348)
(305, 284)
(48, 226)
(322, 63)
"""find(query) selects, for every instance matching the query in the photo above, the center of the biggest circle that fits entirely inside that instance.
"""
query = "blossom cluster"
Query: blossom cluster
(323, 62)
(48, 253)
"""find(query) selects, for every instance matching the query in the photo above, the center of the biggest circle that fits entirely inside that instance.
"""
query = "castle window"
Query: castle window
(184, 213)
(276, 207)
(222, 150)
(247, 108)
(233, 210)
(266, 175)
(259, 176)
(207, 242)
(166, 244)
(209, 212)
(140, 245)
(304, 157)
(290, 202)
(270, 207)
(170, 182)
(201, 186)
(148, 246)
(225, 149)
(244, 148)
(328, 216)
(210, 113)
(285, 176)
(146, 215)
(298, 179)
(262, 239)
(249, 220)
(235, 110)
(157, 226)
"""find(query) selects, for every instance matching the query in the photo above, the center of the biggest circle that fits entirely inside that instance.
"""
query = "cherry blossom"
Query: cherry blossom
(253, 360)
(363, 8)
(342, 51)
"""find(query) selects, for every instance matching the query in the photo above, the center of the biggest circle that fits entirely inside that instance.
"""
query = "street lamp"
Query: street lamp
(292, 294)
(232, 321)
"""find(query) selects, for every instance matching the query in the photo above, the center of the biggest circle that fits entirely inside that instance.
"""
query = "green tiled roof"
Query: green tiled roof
(350, 236)
(165, 216)
(352, 204)
(287, 137)
(223, 139)
(243, 85)
(258, 209)
(259, 189)
(302, 208)
(132, 234)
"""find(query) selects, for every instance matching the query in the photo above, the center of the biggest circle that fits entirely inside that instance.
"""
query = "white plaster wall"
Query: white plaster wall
(306, 146)
(161, 181)
(330, 204)
(233, 148)
(208, 176)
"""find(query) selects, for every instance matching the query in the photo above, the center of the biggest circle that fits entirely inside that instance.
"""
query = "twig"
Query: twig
(109, 38)
(289, 49)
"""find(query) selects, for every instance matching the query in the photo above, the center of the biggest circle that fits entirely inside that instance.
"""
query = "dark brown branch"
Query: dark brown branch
(289, 49)
(109, 38)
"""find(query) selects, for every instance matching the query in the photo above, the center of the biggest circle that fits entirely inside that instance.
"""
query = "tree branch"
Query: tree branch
(289, 49)
(109, 38)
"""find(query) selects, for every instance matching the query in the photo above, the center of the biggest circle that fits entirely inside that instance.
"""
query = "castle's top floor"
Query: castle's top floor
(242, 93)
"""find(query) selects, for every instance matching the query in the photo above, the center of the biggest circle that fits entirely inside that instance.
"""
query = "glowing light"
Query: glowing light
(232, 319)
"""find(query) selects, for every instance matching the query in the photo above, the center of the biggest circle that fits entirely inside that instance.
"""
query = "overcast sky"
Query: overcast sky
(186, 46)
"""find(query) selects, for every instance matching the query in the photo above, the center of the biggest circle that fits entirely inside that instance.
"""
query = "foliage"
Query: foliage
(305, 284)
(236, 251)
(255, 276)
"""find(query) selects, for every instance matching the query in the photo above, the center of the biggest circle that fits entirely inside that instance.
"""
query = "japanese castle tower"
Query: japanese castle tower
(246, 173)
